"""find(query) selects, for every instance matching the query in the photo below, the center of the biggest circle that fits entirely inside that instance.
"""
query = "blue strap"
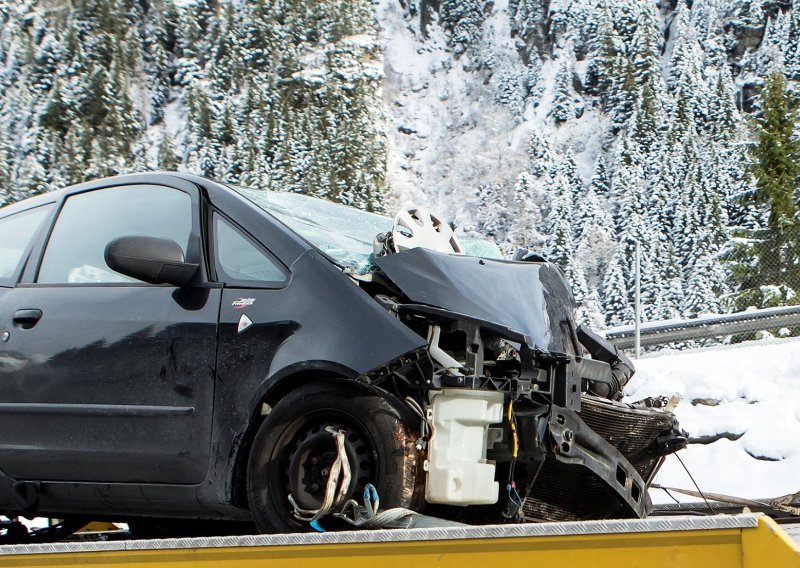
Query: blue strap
(370, 496)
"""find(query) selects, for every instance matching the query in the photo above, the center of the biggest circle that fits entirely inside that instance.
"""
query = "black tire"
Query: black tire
(292, 449)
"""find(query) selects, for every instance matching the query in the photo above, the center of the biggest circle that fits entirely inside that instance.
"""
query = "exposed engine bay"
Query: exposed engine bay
(516, 415)
(519, 409)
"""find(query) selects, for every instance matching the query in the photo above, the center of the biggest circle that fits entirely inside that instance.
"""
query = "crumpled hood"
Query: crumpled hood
(532, 299)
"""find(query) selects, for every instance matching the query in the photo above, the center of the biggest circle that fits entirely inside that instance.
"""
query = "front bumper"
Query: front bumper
(600, 461)
(580, 457)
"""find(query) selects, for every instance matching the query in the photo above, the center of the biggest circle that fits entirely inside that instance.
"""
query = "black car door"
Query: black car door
(17, 234)
(112, 379)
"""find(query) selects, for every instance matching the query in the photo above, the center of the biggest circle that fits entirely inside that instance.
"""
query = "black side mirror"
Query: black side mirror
(153, 260)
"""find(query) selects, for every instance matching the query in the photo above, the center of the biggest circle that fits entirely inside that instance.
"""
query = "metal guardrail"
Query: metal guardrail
(705, 327)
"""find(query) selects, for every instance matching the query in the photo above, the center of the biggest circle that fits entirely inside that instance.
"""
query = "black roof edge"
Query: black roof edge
(158, 177)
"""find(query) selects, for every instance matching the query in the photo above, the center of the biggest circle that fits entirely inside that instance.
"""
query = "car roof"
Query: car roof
(157, 177)
(359, 260)
(31, 202)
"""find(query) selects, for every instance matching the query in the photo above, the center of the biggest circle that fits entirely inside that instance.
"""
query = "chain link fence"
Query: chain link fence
(756, 285)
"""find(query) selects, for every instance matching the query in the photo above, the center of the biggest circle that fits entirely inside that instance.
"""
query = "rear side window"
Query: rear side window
(16, 234)
(239, 260)
(89, 221)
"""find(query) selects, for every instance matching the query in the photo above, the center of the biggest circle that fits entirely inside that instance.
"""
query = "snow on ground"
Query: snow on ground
(751, 395)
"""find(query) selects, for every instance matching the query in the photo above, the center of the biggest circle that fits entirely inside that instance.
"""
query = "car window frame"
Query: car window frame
(195, 250)
(235, 283)
(44, 225)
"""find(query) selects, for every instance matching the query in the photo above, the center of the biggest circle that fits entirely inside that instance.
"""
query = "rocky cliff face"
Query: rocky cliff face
(465, 99)
(574, 127)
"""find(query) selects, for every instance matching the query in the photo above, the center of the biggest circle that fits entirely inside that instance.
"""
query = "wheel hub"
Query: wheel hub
(312, 456)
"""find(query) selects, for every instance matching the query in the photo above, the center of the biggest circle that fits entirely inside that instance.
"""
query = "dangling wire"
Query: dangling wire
(671, 496)
(512, 424)
(710, 508)
(513, 495)
(424, 426)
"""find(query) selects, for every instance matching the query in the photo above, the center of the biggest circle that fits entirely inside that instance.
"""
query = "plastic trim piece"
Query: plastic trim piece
(140, 410)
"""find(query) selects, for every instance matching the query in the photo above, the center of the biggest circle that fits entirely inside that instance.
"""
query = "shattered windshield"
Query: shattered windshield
(344, 233)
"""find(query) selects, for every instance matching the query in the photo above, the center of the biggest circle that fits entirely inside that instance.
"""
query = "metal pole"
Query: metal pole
(638, 303)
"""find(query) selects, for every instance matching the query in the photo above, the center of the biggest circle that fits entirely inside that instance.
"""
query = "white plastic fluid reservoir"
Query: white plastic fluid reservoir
(458, 473)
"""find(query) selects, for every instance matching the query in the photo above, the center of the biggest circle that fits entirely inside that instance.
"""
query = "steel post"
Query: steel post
(638, 302)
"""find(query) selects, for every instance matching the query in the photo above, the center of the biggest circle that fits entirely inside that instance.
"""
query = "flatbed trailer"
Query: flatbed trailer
(745, 540)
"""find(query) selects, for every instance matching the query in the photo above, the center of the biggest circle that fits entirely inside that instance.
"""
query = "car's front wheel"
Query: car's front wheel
(294, 450)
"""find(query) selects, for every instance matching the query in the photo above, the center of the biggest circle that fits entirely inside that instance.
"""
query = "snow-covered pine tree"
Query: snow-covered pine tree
(606, 46)
(591, 215)
(76, 154)
(590, 311)
(510, 85)
(706, 19)
(651, 288)
(493, 215)
(621, 100)
(772, 256)
(166, 158)
(563, 93)
(158, 38)
(673, 294)
(660, 207)
(6, 175)
(601, 179)
(686, 78)
(199, 129)
(225, 67)
(560, 247)
(689, 232)
(648, 124)
(534, 82)
(463, 20)
(627, 189)
(723, 114)
(580, 289)
(617, 308)
(568, 168)
(700, 297)
(32, 179)
(645, 49)
(596, 240)
(529, 22)
(541, 162)
(121, 123)
(527, 225)
(791, 51)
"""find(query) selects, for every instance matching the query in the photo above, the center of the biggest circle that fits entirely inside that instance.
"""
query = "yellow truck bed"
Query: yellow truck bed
(746, 540)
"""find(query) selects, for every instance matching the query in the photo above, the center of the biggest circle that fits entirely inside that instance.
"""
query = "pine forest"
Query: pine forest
(574, 128)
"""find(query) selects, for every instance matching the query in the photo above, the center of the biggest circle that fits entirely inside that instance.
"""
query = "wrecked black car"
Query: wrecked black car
(171, 348)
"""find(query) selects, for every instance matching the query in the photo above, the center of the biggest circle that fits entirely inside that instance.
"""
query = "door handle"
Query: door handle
(26, 319)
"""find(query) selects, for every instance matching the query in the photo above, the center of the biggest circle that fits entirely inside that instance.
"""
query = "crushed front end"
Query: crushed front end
(512, 426)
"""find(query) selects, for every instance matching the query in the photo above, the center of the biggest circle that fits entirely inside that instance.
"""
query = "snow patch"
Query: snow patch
(758, 389)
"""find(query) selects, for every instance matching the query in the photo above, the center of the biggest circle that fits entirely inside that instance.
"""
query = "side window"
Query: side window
(239, 260)
(89, 221)
(16, 233)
